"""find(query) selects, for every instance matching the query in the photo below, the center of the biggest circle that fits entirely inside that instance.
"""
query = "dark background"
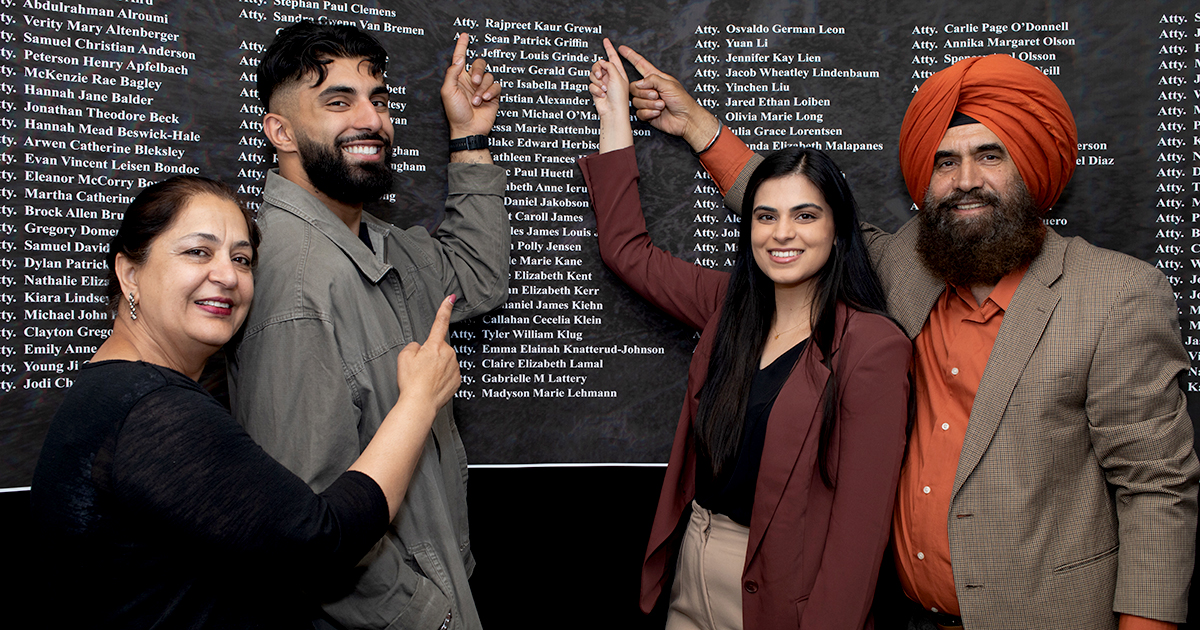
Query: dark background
(1110, 76)
(562, 546)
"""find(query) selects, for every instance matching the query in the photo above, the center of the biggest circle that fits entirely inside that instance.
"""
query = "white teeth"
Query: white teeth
(785, 254)
(970, 206)
(213, 303)
(364, 150)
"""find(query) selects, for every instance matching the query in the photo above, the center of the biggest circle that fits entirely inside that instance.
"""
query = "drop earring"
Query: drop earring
(132, 307)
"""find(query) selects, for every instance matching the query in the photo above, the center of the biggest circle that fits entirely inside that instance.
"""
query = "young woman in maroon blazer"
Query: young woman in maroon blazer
(777, 502)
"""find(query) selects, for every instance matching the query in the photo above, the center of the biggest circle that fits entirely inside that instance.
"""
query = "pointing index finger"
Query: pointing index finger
(457, 60)
(441, 323)
(638, 61)
(614, 59)
(460, 48)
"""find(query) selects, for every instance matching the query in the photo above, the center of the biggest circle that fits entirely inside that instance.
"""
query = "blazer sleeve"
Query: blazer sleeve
(1142, 435)
(872, 418)
(687, 292)
(730, 163)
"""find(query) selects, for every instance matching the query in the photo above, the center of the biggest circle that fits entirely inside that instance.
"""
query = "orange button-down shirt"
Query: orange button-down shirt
(949, 357)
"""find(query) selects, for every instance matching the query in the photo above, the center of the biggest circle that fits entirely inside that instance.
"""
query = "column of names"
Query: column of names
(90, 130)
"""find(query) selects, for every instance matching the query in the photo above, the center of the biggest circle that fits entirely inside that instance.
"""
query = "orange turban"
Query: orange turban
(1011, 98)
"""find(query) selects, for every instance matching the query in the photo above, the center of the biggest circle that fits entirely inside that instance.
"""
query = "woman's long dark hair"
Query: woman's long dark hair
(741, 333)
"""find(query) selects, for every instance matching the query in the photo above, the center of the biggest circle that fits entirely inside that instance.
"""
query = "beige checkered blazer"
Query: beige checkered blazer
(1076, 489)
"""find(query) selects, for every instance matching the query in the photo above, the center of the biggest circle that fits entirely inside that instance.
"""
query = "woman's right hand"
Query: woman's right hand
(429, 371)
(428, 376)
(610, 94)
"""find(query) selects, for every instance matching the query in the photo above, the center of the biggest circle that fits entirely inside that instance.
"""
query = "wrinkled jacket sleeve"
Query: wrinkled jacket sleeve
(1142, 435)
(473, 242)
(292, 396)
(294, 386)
(730, 163)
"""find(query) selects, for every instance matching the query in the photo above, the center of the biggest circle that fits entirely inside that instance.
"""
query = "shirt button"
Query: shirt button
(751, 586)
(945, 426)
(920, 555)
(954, 371)
(925, 490)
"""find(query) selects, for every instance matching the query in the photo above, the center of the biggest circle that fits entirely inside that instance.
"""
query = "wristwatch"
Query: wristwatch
(469, 143)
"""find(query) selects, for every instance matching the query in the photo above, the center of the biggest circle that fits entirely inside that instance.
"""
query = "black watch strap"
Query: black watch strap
(469, 143)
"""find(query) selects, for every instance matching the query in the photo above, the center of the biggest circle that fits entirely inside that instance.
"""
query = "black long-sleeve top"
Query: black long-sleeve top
(157, 504)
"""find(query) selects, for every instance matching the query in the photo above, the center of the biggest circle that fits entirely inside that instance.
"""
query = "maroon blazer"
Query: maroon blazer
(813, 555)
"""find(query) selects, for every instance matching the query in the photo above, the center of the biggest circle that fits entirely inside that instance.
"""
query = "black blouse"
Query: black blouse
(162, 511)
(732, 494)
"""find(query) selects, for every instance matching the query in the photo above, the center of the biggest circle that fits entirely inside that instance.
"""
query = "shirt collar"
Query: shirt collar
(293, 199)
(1003, 292)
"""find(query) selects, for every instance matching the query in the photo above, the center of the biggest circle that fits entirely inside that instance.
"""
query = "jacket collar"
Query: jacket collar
(289, 197)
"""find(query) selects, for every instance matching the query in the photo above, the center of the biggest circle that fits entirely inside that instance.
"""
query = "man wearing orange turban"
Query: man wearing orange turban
(1050, 479)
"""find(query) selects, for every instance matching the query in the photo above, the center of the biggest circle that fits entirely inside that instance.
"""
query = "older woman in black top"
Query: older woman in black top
(155, 501)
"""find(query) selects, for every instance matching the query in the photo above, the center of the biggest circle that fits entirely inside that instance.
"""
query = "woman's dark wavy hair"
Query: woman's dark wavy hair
(307, 47)
(741, 333)
(152, 213)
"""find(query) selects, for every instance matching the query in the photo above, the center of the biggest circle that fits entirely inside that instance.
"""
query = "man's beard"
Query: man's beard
(332, 174)
(980, 250)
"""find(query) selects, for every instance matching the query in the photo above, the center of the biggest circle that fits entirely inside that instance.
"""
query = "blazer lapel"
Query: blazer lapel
(1024, 322)
(789, 455)
(911, 290)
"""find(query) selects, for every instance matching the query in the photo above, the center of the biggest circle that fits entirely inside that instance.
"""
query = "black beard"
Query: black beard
(331, 174)
(980, 250)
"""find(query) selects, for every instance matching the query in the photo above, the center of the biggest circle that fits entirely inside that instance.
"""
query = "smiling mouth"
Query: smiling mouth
(785, 253)
(217, 307)
(968, 206)
(361, 149)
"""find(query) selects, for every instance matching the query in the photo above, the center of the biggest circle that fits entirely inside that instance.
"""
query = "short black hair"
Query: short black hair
(306, 47)
(152, 213)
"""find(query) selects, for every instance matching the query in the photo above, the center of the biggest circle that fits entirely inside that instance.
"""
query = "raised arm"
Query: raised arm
(609, 87)
(661, 100)
(685, 291)
(471, 99)
(183, 459)
(470, 249)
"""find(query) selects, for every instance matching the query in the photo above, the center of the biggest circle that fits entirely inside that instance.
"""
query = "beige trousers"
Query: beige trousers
(707, 592)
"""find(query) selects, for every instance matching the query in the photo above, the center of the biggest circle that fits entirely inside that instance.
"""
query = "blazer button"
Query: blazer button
(751, 586)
